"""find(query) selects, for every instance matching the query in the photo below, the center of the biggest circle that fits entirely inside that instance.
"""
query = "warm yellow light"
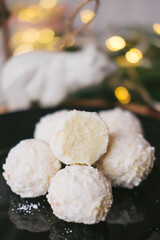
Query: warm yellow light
(51, 46)
(30, 35)
(115, 43)
(16, 39)
(87, 15)
(23, 48)
(32, 14)
(134, 55)
(156, 28)
(46, 36)
(122, 95)
(47, 4)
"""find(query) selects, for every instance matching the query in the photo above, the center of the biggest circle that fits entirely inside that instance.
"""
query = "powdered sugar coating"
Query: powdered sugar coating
(29, 167)
(80, 194)
(47, 124)
(129, 159)
(118, 119)
(80, 138)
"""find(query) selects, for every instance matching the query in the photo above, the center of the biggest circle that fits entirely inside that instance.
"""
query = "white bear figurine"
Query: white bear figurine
(47, 77)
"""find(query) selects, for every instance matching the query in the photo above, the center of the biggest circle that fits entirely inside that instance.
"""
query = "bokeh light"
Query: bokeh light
(32, 14)
(23, 48)
(16, 39)
(46, 35)
(122, 95)
(87, 15)
(52, 45)
(122, 61)
(156, 28)
(115, 43)
(47, 4)
(30, 35)
(134, 55)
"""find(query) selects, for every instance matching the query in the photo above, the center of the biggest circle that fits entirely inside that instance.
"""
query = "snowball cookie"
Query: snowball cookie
(128, 160)
(47, 125)
(29, 167)
(80, 194)
(118, 119)
(80, 137)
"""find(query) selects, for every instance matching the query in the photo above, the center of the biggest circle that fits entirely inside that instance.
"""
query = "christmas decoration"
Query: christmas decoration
(47, 78)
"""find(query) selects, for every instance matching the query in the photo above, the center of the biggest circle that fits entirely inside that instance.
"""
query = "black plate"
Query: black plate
(135, 214)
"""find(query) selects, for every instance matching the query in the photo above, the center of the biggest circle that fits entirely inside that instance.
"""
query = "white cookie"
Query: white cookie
(80, 138)
(29, 167)
(118, 119)
(47, 124)
(129, 159)
(80, 194)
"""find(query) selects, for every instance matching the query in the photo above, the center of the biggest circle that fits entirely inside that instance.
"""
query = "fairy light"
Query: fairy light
(115, 43)
(87, 15)
(156, 28)
(30, 35)
(134, 55)
(32, 14)
(47, 4)
(122, 95)
(46, 36)
(16, 39)
(51, 46)
(23, 48)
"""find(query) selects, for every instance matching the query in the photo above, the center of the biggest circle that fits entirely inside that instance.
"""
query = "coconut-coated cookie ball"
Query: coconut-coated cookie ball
(80, 138)
(80, 194)
(118, 119)
(29, 167)
(47, 124)
(129, 159)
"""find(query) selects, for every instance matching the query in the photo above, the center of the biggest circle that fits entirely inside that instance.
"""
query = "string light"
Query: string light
(134, 55)
(115, 43)
(47, 4)
(122, 95)
(23, 48)
(31, 35)
(87, 15)
(46, 36)
(16, 39)
(32, 14)
(122, 61)
(156, 28)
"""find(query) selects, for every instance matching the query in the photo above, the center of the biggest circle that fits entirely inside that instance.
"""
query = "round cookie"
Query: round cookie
(47, 124)
(118, 119)
(29, 167)
(80, 194)
(80, 138)
(129, 159)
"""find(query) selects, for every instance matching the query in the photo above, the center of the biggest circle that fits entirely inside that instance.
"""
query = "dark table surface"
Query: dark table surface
(135, 214)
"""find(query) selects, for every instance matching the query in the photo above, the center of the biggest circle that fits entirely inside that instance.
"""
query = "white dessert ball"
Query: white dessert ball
(80, 194)
(47, 124)
(118, 119)
(129, 159)
(80, 138)
(29, 167)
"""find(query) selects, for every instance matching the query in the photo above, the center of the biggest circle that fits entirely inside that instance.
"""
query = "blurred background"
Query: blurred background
(127, 33)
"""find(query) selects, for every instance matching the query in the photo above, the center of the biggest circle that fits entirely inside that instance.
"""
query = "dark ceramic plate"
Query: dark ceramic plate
(135, 214)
